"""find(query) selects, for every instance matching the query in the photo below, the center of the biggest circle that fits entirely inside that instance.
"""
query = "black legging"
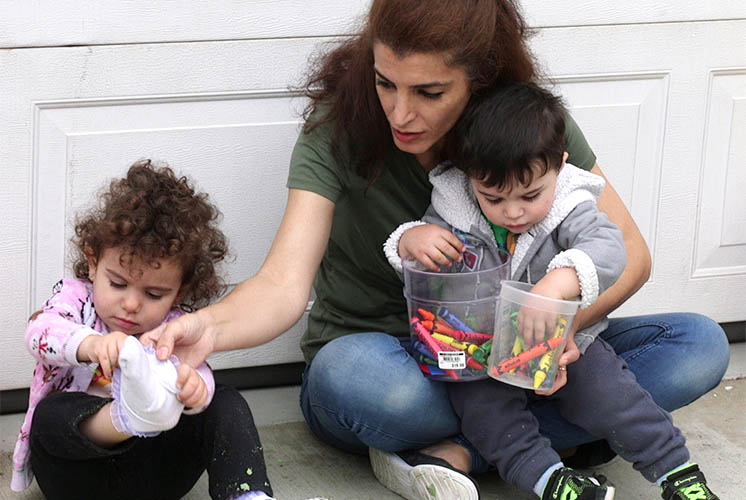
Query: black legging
(222, 439)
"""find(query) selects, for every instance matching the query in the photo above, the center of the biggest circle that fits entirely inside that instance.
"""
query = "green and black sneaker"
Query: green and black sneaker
(569, 484)
(687, 484)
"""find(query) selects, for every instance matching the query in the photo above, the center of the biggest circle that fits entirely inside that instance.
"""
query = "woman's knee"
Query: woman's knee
(370, 367)
(708, 345)
(370, 383)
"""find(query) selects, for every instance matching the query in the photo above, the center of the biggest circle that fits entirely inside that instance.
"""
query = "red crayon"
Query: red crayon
(526, 356)
(425, 314)
(473, 363)
(474, 337)
(443, 327)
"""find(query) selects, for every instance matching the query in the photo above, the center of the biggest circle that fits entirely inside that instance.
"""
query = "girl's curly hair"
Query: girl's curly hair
(152, 214)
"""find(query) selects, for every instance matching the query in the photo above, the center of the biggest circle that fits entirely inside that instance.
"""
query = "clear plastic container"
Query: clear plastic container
(530, 334)
(452, 318)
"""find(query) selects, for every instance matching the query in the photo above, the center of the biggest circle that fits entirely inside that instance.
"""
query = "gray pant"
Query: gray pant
(602, 396)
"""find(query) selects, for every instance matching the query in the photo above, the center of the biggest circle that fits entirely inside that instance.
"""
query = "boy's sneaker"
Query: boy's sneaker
(687, 484)
(566, 483)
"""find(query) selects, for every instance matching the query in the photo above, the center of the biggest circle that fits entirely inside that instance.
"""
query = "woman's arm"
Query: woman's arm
(638, 259)
(265, 305)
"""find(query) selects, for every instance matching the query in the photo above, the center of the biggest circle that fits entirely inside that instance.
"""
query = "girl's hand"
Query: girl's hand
(102, 349)
(432, 245)
(193, 389)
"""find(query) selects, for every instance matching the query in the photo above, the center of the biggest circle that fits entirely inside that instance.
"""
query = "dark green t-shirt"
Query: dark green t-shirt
(356, 288)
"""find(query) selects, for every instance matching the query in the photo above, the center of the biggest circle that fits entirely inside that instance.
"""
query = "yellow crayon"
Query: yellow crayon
(463, 346)
(546, 360)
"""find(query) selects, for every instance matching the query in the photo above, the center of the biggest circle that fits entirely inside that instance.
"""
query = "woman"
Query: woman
(381, 106)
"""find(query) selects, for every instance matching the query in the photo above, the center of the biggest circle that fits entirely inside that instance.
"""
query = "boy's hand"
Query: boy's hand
(193, 389)
(102, 349)
(535, 325)
(432, 245)
(570, 355)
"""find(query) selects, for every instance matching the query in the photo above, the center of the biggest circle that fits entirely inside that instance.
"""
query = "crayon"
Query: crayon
(427, 360)
(518, 348)
(443, 327)
(432, 345)
(483, 351)
(430, 369)
(425, 314)
(424, 336)
(474, 364)
(546, 360)
(420, 348)
(453, 320)
(427, 324)
(506, 365)
(461, 346)
(474, 337)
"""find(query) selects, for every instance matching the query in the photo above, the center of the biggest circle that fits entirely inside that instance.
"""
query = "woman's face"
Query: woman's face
(422, 98)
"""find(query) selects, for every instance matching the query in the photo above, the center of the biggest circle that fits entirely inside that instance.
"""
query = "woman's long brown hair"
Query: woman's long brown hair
(485, 37)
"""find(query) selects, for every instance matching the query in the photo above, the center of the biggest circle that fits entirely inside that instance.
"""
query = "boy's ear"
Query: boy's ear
(565, 156)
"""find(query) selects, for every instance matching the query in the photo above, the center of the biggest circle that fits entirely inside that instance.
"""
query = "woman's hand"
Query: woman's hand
(432, 245)
(188, 337)
(193, 389)
(102, 349)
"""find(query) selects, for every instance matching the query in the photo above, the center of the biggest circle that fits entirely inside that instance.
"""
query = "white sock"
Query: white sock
(660, 480)
(544, 479)
(144, 392)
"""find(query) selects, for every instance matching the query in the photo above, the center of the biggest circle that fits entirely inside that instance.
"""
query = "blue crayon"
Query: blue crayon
(420, 348)
(453, 320)
(434, 370)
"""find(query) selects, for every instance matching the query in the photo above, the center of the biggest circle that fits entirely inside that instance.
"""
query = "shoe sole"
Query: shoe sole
(609, 493)
(421, 482)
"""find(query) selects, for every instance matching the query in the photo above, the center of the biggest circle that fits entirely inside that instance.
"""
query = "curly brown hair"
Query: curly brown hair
(152, 214)
(485, 37)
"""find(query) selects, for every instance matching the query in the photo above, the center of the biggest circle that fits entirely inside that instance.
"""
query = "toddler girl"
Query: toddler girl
(106, 418)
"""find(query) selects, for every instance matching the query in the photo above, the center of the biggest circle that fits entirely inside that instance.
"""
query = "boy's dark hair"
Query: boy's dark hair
(153, 214)
(506, 133)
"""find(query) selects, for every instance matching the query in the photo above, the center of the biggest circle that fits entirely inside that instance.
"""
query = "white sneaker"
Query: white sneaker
(436, 481)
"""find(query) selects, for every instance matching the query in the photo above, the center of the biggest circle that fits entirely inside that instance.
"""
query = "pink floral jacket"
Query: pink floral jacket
(52, 337)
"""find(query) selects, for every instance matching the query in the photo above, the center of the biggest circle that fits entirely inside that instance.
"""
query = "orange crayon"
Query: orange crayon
(425, 314)
(526, 356)
(443, 327)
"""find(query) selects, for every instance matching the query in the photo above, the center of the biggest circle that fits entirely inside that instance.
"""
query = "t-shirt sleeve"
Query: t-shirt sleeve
(580, 153)
(313, 167)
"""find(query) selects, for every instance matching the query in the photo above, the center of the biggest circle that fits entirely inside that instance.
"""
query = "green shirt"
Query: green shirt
(356, 288)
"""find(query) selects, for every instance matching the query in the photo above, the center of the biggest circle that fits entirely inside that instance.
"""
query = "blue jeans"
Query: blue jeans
(364, 390)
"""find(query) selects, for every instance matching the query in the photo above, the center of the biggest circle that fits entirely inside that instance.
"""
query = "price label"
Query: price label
(451, 360)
